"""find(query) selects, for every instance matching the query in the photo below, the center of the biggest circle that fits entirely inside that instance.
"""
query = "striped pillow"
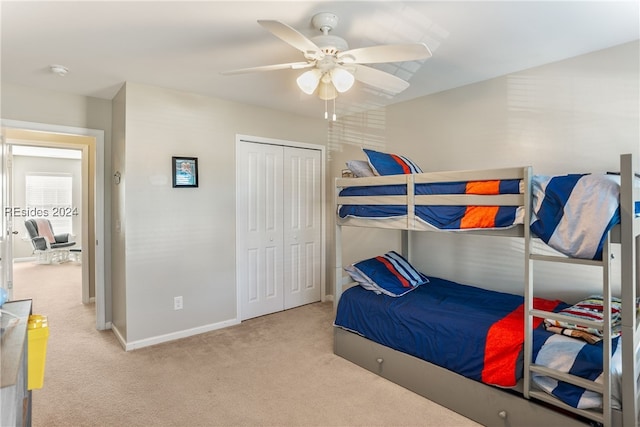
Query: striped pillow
(390, 274)
(390, 164)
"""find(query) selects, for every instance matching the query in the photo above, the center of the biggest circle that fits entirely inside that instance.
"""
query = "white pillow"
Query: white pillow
(360, 168)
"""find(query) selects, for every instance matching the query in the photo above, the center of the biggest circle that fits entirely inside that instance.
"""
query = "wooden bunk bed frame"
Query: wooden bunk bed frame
(489, 405)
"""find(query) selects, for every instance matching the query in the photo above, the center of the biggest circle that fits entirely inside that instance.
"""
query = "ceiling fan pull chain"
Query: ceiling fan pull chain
(334, 109)
(326, 113)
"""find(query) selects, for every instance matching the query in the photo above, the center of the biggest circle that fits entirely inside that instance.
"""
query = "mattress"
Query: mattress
(474, 332)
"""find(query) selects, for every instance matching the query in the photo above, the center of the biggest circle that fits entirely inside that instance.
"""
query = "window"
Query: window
(51, 195)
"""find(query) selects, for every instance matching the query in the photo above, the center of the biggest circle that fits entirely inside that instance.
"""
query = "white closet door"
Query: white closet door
(302, 226)
(259, 237)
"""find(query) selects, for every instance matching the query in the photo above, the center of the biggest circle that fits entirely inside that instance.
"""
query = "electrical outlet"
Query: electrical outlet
(177, 303)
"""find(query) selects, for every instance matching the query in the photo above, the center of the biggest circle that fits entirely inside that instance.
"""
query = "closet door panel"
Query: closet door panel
(302, 226)
(259, 228)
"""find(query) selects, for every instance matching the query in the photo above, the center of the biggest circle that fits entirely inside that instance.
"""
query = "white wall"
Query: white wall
(181, 242)
(577, 115)
(571, 116)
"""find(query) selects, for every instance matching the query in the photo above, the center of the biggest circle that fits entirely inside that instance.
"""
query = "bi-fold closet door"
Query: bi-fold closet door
(278, 236)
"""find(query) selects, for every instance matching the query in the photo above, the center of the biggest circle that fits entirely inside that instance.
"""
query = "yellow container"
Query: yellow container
(38, 332)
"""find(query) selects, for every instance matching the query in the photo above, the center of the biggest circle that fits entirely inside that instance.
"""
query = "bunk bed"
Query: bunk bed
(529, 394)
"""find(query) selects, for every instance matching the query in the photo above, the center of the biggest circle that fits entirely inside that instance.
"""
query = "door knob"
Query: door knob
(14, 232)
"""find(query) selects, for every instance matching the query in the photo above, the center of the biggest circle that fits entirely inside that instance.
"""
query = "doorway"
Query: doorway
(91, 144)
(49, 183)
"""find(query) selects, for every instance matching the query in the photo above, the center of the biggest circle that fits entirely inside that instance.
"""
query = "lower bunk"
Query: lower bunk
(462, 347)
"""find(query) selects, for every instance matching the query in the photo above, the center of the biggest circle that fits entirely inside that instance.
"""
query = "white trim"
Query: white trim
(280, 142)
(100, 285)
(24, 259)
(57, 153)
(159, 339)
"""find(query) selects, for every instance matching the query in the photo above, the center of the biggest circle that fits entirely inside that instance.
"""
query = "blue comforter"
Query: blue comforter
(474, 332)
(573, 213)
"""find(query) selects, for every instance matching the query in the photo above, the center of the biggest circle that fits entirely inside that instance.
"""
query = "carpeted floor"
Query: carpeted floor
(276, 370)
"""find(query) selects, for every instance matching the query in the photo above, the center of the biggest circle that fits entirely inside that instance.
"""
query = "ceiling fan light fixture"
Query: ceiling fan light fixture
(308, 81)
(342, 79)
(327, 91)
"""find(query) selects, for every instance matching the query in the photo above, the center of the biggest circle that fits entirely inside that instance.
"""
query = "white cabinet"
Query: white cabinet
(278, 227)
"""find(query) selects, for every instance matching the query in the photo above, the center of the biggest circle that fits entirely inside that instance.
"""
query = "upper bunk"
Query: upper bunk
(570, 213)
(438, 201)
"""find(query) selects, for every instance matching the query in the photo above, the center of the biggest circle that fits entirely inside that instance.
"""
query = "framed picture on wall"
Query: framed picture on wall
(185, 172)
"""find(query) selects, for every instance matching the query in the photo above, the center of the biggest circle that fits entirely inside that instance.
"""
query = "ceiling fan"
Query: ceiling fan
(333, 66)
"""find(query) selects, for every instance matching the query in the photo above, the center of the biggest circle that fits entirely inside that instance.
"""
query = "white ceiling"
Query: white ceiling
(186, 45)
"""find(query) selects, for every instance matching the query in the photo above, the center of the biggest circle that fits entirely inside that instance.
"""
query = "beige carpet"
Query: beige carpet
(276, 370)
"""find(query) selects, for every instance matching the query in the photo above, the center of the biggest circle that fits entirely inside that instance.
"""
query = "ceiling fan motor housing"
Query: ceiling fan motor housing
(330, 45)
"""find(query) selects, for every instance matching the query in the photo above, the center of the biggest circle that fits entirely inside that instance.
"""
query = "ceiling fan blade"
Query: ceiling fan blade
(379, 79)
(385, 53)
(293, 37)
(291, 65)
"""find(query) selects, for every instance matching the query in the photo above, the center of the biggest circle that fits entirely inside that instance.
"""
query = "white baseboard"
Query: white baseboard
(27, 259)
(133, 345)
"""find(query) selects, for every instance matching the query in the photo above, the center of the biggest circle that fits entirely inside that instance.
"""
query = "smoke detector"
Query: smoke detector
(59, 70)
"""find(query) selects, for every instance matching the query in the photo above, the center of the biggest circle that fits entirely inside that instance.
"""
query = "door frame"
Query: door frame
(294, 144)
(6, 240)
(99, 199)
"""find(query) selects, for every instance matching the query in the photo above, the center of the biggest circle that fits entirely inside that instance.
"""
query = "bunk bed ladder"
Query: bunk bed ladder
(605, 416)
(528, 288)
(629, 239)
(629, 230)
